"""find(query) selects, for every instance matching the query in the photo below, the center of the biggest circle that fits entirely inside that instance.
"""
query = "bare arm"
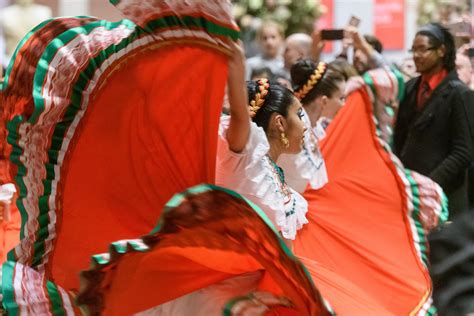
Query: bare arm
(239, 127)
(359, 41)
(376, 60)
(317, 46)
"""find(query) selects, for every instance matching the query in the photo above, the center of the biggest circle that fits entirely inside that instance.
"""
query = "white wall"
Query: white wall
(73, 7)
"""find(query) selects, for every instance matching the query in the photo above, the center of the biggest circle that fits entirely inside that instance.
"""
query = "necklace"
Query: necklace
(278, 171)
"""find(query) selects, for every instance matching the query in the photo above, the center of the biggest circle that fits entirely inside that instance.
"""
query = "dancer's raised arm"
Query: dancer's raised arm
(238, 131)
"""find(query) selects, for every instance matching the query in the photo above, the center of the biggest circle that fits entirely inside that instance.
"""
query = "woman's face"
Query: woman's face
(334, 103)
(295, 127)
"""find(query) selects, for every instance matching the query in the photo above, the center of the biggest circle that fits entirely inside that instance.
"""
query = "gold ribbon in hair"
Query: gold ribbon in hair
(312, 81)
(259, 99)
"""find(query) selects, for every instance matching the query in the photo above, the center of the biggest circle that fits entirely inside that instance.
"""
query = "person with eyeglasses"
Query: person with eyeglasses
(432, 133)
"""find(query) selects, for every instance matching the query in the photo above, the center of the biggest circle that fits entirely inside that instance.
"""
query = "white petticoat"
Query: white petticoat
(209, 301)
(6, 192)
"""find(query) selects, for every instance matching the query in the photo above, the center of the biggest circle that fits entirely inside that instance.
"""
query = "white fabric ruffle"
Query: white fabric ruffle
(252, 174)
(6, 192)
(208, 301)
(307, 166)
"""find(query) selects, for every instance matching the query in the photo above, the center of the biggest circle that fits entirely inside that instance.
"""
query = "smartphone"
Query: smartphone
(470, 52)
(354, 21)
(332, 35)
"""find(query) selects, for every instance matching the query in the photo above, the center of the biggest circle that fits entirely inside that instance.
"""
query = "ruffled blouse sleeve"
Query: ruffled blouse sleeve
(251, 174)
(229, 163)
(431, 202)
(7, 191)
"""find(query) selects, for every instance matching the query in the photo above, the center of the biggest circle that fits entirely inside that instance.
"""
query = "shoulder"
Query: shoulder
(459, 86)
(410, 90)
(257, 144)
(458, 92)
(462, 96)
(412, 82)
(277, 62)
(254, 60)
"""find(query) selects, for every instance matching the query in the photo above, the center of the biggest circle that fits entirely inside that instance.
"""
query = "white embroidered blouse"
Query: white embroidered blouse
(254, 175)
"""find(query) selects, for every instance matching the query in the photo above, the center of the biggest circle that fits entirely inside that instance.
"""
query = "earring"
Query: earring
(284, 140)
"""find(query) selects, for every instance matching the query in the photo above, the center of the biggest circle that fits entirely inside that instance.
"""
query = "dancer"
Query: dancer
(74, 121)
(252, 170)
(321, 90)
(206, 235)
(246, 163)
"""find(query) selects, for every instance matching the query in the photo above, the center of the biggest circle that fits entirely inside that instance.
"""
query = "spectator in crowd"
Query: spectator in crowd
(261, 72)
(448, 12)
(342, 66)
(367, 51)
(321, 99)
(464, 68)
(297, 46)
(270, 38)
(432, 133)
(408, 69)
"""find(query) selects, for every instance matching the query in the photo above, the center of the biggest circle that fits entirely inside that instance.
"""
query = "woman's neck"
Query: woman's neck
(275, 150)
(314, 112)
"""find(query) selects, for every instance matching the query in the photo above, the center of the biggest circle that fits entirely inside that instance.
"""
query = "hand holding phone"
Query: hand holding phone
(332, 34)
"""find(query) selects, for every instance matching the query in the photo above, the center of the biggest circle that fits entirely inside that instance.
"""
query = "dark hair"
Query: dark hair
(438, 35)
(374, 42)
(262, 72)
(327, 85)
(278, 100)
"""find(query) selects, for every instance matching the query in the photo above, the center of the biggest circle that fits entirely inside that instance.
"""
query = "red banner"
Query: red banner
(389, 23)
(326, 21)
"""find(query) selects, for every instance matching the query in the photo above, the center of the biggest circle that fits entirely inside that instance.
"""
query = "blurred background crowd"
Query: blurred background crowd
(392, 22)
(354, 36)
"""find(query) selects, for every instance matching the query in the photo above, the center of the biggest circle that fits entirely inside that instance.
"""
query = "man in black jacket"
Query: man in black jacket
(432, 132)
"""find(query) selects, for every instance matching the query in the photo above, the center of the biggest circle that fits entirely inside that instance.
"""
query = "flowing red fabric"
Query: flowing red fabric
(9, 227)
(9, 232)
(355, 272)
(358, 227)
(133, 154)
(209, 237)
